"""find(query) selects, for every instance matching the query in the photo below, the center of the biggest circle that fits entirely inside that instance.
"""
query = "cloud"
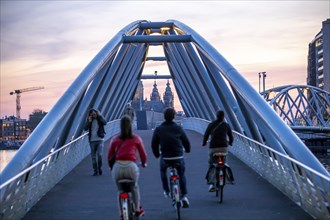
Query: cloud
(50, 42)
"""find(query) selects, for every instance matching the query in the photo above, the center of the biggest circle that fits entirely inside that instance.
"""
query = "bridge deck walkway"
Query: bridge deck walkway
(82, 196)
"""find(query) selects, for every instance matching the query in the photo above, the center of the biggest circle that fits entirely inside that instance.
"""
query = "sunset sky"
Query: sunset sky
(48, 43)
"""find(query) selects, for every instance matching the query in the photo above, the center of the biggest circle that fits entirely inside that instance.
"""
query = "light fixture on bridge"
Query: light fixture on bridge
(164, 29)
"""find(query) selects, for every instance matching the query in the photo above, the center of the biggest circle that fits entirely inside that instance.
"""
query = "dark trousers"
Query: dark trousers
(164, 164)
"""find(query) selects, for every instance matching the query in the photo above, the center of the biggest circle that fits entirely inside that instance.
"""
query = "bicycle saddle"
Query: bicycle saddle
(126, 184)
(125, 181)
(220, 154)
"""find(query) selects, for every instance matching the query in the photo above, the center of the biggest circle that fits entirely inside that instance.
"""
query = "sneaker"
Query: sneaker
(185, 202)
(211, 188)
(167, 195)
(100, 172)
(139, 213)
(95, 173)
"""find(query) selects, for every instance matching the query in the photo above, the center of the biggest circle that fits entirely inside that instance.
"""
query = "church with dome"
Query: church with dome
(156, 103)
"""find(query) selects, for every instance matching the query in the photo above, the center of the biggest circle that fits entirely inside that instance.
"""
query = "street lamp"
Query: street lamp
(263, 80)
(259, 80)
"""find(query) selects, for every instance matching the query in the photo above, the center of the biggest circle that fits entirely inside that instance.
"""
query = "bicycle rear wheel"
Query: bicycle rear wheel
(176, 198)
(125, 208)
(217, 183)
(222, 176)
(220, 193)
(178, 206)
(132, 211)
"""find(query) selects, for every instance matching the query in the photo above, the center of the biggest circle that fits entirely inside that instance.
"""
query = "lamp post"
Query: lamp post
(259, 80)
(263, 80)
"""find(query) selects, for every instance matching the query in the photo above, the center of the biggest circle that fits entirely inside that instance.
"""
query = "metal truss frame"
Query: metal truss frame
(301, 105)
(204, 80)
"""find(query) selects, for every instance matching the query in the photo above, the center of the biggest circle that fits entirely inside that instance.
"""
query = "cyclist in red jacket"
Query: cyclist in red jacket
(126, 145)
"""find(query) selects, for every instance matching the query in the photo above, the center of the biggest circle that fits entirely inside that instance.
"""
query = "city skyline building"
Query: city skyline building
(155, 103)
(168, 96)
(155, 94)
(13, 129)
(318, 67)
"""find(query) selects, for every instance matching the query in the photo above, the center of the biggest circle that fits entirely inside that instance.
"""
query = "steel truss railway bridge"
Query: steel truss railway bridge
(306, 109)
(205, 82)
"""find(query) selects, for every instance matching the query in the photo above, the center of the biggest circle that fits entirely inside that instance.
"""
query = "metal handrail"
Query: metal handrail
(303, 185)
(306, 187)
(40, 161)
(23, 191)
(282, 155)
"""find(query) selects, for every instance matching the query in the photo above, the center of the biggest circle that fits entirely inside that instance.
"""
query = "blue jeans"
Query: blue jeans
(164, 164)
(96, 153)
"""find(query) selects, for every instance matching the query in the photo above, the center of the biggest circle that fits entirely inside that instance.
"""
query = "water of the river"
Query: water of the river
(5, 157)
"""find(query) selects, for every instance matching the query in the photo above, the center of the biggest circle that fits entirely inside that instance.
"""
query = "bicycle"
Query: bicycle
(175, 189)
(126, 203)
(220, 171)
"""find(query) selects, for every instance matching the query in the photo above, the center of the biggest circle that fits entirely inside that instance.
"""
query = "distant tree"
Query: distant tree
(35, 118)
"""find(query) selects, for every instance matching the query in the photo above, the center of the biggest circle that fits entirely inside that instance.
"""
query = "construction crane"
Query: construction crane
(18, 97)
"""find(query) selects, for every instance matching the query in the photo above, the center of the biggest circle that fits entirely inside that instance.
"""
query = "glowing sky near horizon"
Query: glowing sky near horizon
(48, 43)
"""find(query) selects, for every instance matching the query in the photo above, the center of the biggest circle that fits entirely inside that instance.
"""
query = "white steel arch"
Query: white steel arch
(205, 82)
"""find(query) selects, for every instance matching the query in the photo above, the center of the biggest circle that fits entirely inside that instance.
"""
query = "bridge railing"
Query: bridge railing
(22, 192)
(306, 187)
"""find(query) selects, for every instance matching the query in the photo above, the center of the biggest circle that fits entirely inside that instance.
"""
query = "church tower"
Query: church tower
(168, 96)
(155, 94)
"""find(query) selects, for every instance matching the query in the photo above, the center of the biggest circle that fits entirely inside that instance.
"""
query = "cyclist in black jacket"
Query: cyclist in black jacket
(169, 141)
(219, 131)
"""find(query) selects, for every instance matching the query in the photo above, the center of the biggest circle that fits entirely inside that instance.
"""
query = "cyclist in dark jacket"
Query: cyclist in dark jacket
(219, 131)
(169, 141)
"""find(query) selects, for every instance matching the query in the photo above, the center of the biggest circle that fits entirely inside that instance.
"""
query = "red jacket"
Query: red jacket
(128, 149)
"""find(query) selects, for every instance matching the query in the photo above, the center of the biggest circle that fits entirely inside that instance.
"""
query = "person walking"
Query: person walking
(95, 125)
(129, 111)
(125, 146)
(219, 130)
(169, 141)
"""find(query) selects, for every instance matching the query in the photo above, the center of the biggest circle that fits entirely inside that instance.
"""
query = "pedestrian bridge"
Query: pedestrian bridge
(252, 197)
(204, 81)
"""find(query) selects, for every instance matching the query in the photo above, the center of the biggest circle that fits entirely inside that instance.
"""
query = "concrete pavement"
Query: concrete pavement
(82, 196)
